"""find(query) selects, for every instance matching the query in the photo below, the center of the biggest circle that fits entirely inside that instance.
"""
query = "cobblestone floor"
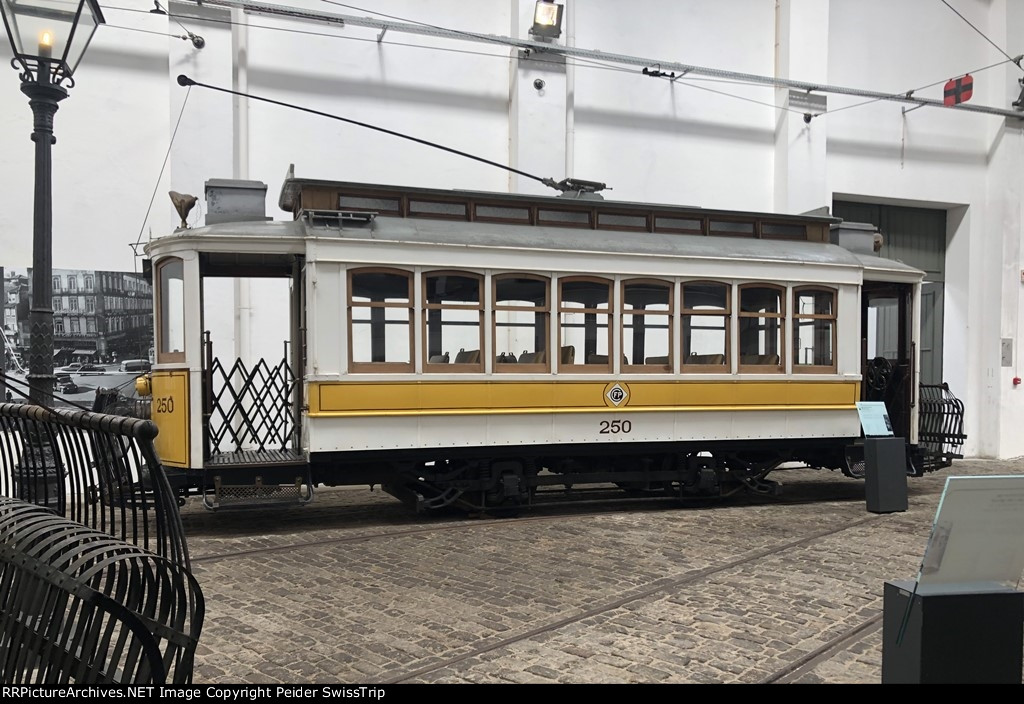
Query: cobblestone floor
(357, 588)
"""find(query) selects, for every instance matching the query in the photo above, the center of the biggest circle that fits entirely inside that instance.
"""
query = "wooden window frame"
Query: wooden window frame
(585, 368)
(648, 368)
(780, 316)
(163, 357)
(646, 227)
(450, 367)
(386, 367)
(727, 313)
(834, 317)
(545, 310)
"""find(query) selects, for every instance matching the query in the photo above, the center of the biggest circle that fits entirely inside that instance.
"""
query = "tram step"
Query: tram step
(221, 496)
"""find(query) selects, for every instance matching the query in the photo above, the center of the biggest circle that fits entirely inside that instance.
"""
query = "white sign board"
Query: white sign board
(874, 419)
(977, 539)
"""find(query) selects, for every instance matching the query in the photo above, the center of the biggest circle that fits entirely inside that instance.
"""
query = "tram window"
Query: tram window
(814, 320)
(706, 315)
(171, 310)
(647, 325)
(380, 311)
(521, 323)
(584, 317)
(761, 322)
(453, 305)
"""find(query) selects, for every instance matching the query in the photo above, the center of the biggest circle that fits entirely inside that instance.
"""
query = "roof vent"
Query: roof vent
(857, 237)
(234, 200)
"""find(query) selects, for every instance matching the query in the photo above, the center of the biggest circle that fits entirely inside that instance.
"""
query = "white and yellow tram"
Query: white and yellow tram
(463, 347)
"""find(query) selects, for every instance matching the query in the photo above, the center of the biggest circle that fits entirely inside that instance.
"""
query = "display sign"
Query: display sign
(874, 419)
(977, 539)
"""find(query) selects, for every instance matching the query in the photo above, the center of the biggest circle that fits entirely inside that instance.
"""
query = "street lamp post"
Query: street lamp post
(48, 38)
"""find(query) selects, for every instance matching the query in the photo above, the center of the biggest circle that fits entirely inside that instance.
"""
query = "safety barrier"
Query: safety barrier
(95, 469)
(940, 426)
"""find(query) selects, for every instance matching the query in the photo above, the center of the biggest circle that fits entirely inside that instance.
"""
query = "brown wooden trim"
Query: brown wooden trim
(163, 357)
(385, 367)
(325, 195)
(509, 368)
(589, 212)
(726, 313)
(670, 314)
(647, 216)
(833, 318)
(780, 316)
(451, 367)
(528, 220)
(583, 367)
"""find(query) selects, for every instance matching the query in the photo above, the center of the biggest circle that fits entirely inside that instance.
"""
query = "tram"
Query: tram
(468, 348)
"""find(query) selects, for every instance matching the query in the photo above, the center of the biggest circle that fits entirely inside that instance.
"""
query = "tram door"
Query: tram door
(887, 350)
(252, 363)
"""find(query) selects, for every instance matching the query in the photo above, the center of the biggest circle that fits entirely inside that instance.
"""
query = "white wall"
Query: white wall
(649, 139)
(937, 158)
(112, 134)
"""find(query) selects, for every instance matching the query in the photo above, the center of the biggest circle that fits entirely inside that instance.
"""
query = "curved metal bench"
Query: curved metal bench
(78, 605)
(97, 469)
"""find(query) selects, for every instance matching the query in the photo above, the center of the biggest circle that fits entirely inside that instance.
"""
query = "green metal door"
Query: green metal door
(914, 236)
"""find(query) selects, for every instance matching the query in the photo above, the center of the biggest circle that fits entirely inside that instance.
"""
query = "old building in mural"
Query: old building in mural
(98, 316)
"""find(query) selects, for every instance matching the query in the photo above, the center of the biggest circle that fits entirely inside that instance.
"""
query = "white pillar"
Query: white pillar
(240, 167)
(1005, 201)
(539, 122)
(801, 53)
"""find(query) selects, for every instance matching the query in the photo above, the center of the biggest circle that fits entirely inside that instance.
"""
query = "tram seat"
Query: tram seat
(770, 360)
(506, 358)
(568, 355)
(539, 357)
(438, 358)
(467, 357)
(603, 359)
(657, 360)
(705, 359)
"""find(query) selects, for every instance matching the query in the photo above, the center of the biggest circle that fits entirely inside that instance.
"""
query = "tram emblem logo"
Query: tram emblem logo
(617, 394)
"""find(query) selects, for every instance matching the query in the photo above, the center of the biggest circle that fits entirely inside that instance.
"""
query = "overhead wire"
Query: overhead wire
(984, 36)
(576, 61)
(161, 10)
(930, 85)
(146, 31)
(8, 380)
(184, 80)
(156, 186)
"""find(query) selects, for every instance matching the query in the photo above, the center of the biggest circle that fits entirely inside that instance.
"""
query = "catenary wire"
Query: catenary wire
(146, 31)
(173, 17)
(156, 186)
(576, 61)
(999, 48)
(186, 81)
(930, 85)
(583, 63)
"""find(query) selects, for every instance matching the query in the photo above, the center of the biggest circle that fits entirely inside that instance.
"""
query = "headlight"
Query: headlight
(143, 386)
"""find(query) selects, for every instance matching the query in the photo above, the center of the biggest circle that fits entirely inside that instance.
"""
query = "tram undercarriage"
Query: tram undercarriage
(508, 482)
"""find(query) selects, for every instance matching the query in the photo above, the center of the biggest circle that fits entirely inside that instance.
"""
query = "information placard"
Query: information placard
(874, 419)
(977, 539)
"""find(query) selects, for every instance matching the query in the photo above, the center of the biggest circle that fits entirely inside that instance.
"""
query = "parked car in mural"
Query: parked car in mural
(91, 369)
(64, 384)
(72, 368)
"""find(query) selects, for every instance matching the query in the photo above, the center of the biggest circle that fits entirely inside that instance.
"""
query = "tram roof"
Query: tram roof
(288, 236)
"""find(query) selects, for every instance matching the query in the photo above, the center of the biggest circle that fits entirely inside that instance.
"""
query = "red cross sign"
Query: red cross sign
(958, 90)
